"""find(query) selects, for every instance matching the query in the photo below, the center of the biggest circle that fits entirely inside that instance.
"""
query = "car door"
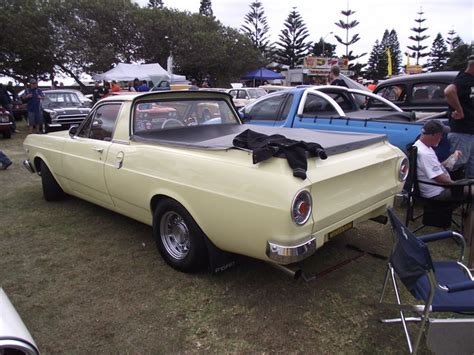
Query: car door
(85, 154)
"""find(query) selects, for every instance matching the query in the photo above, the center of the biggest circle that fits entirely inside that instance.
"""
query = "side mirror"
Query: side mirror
(73, 130)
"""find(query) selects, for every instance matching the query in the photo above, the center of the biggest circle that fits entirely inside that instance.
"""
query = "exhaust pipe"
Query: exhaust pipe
(294, 274)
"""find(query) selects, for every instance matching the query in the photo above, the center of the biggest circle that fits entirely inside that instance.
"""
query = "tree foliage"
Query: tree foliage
(155, 3)
(205, 8)
(26, 45)
(324, 49)
(458, 58)
(418, 48)
(453, 41)
(46, 37)
(347, 25)
(373, 64)
(256, 27)
(378, 60)
(292, 43)
(438, 55)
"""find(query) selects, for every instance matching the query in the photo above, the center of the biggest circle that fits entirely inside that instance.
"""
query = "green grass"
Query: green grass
(86, 280)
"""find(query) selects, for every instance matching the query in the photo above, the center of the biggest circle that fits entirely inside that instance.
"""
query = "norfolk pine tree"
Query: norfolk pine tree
(293, 40)
(438, 55)
(418, 38)
(256, 28)
(205, 8)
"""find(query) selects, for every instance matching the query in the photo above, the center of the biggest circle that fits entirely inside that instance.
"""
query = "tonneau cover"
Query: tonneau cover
(220, 137)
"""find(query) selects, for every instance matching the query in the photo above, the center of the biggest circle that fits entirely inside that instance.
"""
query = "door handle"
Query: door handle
(98, 150)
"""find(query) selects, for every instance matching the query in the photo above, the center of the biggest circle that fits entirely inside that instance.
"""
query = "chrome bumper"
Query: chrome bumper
(28, 166)
(284, 254)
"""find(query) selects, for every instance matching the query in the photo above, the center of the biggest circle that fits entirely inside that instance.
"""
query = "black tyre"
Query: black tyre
(179, 239)
(51, 189)
(7, 134)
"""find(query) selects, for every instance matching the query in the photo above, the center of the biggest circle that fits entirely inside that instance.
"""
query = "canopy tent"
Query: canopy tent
(262, 74)
(127, 72)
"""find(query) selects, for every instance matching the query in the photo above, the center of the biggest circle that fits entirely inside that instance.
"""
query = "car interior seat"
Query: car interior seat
(420, 94)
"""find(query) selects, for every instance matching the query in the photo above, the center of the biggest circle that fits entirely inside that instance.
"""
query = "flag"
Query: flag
(389, 62)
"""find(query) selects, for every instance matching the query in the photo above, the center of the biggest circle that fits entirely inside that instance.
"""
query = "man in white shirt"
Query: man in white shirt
(430, 169)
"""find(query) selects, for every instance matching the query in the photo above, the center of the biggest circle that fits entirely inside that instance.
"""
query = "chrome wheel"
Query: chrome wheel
(175, 235)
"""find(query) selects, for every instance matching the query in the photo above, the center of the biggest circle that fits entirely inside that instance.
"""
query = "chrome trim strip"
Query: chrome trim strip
(28, 166)
(119, 141)
(287, 254)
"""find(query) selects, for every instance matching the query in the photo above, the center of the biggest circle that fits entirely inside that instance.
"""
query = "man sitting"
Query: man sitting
(430, 169)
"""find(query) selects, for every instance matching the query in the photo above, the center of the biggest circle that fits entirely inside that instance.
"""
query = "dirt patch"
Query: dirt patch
(85, 279)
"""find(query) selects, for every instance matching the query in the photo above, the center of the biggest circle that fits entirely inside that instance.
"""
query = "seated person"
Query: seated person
(430, 169)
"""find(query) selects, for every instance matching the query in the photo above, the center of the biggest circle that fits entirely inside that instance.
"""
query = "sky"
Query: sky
(374, 17)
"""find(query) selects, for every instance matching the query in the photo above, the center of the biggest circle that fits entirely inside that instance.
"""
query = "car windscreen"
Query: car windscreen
(254, 94)
(61, 99)
(157, 115)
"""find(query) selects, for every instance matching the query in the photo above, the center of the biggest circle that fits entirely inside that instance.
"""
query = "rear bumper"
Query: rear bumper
(287, 254)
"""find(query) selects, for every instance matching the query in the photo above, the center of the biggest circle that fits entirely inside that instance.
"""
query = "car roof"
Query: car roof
(172, 94)
(447, 76)
(69, 91)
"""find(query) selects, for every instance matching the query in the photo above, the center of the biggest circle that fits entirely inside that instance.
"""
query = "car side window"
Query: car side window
(242, 94)
(427, 92)
(233, 93)
(316, 105)
(269, 109)
(85, 128)
(103, 122)
(394, 93)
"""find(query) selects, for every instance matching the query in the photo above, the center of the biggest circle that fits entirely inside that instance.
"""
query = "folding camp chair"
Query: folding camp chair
(435, 213)
(442, 286)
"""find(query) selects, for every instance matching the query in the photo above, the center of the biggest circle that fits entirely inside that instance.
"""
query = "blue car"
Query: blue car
(335, 108)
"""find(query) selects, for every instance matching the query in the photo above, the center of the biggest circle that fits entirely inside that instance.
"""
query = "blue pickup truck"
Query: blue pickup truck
(335, 108)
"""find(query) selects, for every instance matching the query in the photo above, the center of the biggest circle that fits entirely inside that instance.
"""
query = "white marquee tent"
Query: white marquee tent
(127, 72)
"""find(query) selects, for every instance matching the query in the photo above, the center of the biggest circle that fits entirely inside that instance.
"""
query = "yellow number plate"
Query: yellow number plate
(340, 230)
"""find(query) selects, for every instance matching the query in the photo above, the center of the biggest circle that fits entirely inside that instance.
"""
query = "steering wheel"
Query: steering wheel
(172, 122)
(191, 121)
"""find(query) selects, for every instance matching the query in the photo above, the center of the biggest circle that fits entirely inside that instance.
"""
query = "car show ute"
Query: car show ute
(157, 158)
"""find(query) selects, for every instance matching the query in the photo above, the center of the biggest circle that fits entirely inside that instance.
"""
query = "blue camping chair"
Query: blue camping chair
(442, 286)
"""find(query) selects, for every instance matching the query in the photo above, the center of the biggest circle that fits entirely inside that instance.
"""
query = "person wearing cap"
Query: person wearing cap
(430, 169)
(460, 97)
(33, 97)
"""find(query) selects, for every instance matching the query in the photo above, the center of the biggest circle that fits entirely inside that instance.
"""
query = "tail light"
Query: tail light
(301, 208)
(403, 169)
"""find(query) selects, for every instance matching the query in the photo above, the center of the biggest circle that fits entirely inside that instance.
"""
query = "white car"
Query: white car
(243, 96)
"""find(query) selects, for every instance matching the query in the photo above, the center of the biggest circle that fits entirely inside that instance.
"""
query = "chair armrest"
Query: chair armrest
(463, 182)
(443, 235)
(437, 236)
(461, 286)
